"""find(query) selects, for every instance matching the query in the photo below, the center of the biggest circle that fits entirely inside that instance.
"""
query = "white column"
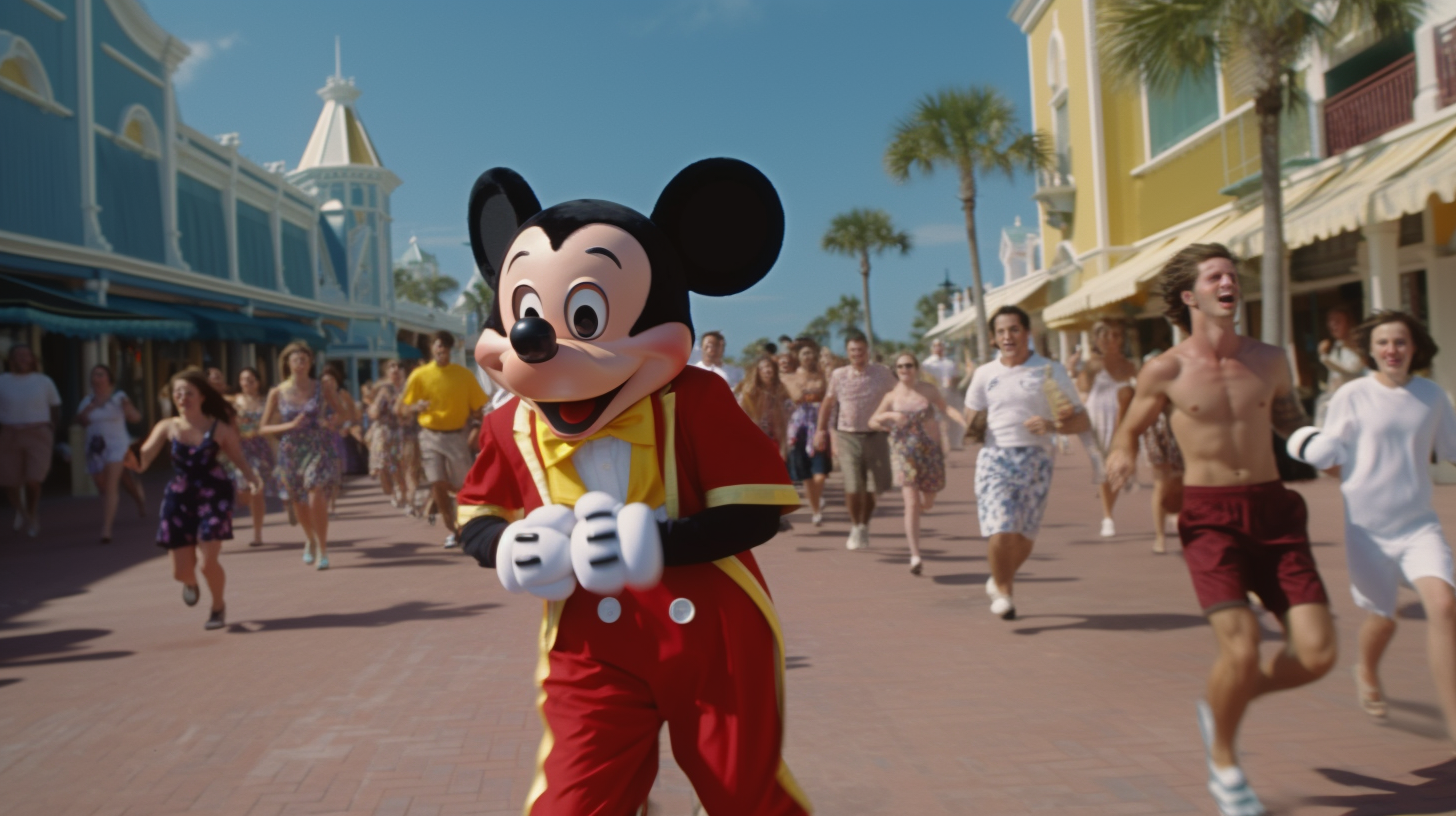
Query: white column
(1064, 346)
(1428, 80)
(275, 226)
(86, 124)
(172, 245)
(230, 212)
(1085, 338)
(1382, 264)
(313, 247)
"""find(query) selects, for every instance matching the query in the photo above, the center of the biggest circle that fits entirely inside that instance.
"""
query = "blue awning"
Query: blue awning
(408, 352)
(220, 324)
(55, 311)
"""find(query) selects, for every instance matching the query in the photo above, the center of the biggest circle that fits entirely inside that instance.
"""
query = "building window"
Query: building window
(138, 131)
(356, 195)
(1173, 117)
(1062, 136)
(373, 196)
(22, 74)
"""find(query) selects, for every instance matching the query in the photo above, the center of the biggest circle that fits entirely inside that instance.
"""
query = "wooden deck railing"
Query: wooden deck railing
(1376, 104)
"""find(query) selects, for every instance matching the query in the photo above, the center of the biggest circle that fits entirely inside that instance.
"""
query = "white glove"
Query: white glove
(615, 545)
(534, 554)
(1322, 450)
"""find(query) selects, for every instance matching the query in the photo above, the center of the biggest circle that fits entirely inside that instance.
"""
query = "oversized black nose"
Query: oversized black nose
(533, 339)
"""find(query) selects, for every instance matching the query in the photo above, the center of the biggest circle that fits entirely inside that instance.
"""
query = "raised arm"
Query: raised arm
(1287, 412)
(160, 435)
(937, 399)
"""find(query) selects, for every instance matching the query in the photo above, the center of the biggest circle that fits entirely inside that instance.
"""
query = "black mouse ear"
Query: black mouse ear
(726, 221)
(500, 203)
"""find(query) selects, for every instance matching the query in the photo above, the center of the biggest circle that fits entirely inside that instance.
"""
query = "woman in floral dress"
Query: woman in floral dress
(339, 420)
(257, 449)
(307, 461)
(385, 433)
(807, 464)
(197, 507)
(908, 413)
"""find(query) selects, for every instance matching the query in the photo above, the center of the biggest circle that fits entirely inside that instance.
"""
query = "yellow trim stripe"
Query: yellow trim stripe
(467, 512)
(521, 429)
(550, 621)
(784, 495)
(669, 456)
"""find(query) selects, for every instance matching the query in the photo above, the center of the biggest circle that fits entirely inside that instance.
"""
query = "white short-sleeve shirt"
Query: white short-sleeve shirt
(1010, 395)
(1391, 433)
(26, 399)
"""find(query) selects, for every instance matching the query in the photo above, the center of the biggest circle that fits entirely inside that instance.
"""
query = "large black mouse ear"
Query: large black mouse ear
(499, 203)
(726, 222)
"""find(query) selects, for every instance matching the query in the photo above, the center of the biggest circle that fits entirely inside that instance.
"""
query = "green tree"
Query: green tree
(1164, 42)
(974, 131)
(839, 319)
(927, 314)
(427, 291)
(479, 299)
(858, 233)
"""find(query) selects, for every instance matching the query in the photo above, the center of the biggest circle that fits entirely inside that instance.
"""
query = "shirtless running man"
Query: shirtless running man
(1242, 531)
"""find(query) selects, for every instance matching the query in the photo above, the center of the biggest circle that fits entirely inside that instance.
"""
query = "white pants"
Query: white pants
(1379, 563)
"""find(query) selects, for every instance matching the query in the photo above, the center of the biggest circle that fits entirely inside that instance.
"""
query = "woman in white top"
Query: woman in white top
(1107, 379)
(1380, 432)
(1336, 354)
(104, 414)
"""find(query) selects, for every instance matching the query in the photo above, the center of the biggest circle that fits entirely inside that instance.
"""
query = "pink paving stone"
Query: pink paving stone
(400, 680)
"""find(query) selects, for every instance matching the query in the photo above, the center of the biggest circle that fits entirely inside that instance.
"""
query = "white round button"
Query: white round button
(681, 611)
(609, 609)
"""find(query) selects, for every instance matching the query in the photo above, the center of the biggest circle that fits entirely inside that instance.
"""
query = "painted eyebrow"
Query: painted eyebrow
(514, 257)
(605, 252)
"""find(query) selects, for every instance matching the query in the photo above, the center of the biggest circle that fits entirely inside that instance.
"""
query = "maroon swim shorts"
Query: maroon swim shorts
(1249, 538)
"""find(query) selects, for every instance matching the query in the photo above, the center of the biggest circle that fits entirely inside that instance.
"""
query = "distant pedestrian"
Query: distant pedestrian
(385, 434)
(1381, 432)
(808, 463)
(765, 399)
(1107, 377)
(946, 374)
(787, 360)
(307, 459)
(712, 347)
(445, 397)
(197, 508)
(249, 402)
(104, 414)
(864, 453)
(1016, 403)
(30, 410)
(1339, 356)
(908, 413)
(339, 421)
(218, 380)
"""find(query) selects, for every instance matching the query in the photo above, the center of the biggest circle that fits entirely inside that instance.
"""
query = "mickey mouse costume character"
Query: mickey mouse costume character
(626, 488)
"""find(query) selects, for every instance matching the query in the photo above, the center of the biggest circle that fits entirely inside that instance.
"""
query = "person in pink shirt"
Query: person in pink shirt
(864, 453)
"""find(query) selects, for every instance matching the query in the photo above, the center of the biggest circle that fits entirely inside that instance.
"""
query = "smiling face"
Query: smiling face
(712, 349)
(858, 352)
(1216, 292)
(186, 396)
(571, 311)
(1012, 338)
(248, 383)
(906, 369)
(1393, 348)
(1110, 340)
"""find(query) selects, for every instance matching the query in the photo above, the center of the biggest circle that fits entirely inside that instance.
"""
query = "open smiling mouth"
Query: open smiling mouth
(570, 418)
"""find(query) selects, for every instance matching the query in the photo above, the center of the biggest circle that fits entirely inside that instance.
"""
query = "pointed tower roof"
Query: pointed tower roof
(339, 137)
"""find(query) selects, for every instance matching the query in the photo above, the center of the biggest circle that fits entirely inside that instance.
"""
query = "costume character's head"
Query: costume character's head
(591, 309)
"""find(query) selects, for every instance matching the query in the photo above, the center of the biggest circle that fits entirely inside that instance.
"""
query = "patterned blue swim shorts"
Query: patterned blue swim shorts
(1011, 489)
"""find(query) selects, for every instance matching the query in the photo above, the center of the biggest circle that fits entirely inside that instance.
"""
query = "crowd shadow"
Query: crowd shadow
(399, 613)
(1436, 795)
(60, 646)
(979, 579)
(1129, 622)
(797, 662)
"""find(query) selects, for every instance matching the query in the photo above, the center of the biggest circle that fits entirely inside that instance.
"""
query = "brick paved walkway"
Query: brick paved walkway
(399, 681)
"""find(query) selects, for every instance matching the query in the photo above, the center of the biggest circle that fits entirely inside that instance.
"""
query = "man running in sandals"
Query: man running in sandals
(1242, 531)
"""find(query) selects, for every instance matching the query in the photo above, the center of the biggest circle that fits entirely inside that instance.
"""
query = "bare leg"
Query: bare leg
(1310, 633)
(1109, 499)
(386, 484)
(1008, 551)
(445, 504)
(304, 513)
(107, 483)
(17, 500)
(869, 508)
(318, 508)
(1375, 634)
(212, 571)
(927, 500)
(133, 488)
(1440, 603)
(814, 489)
(257, 505)
(1160, 515)
(184, 565)
(912, 520)
(855, 502)
(32, 502)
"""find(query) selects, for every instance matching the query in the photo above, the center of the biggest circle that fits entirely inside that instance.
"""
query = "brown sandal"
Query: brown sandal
(1371, 700)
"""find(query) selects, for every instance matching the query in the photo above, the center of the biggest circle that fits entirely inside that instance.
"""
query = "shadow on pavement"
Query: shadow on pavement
(399, 613)
(63, 646)
(1395, 798)
(1152, 622)
(979, 578)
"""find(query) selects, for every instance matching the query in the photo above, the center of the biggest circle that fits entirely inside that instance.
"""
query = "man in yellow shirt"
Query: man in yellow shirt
(445, 397)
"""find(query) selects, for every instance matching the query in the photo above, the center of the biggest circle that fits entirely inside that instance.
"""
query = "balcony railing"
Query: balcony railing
(1376, 104)
(1446, 61)
(1057, 191)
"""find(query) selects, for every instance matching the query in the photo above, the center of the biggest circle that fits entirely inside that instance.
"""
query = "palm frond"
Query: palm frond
(864, 230)
(1387, 17)
(1163, 41)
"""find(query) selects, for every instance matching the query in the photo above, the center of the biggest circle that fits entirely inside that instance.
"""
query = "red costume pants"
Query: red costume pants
(695, 652)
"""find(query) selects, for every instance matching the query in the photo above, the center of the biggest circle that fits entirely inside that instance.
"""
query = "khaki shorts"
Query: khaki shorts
(25, 453)
(445, 456)
(865, 460)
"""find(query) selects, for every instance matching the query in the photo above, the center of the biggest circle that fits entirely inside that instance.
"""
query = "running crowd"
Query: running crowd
(1209, 415)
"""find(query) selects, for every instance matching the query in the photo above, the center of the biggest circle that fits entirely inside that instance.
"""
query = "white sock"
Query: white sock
(1229, 777)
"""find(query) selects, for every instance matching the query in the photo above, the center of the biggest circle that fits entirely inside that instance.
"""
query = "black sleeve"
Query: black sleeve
(717, 532)
(480, 536)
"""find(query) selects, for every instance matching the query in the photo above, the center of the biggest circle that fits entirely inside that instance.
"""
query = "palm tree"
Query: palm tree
(426, 291)
(479, 299)
(858, 233)
(1162, 43)
(973, 130)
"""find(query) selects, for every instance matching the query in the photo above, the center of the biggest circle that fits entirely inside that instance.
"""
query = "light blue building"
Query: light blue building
(194, 254)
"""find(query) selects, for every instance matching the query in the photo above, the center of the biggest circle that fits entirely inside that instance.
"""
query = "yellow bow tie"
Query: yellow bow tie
(633, 426)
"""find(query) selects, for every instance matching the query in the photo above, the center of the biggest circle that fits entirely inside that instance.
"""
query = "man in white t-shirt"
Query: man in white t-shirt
(945, 372)
(30, 410)
(1015, 404)
(712, 360)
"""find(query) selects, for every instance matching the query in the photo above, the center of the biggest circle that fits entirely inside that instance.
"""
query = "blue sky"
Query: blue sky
(610, 100)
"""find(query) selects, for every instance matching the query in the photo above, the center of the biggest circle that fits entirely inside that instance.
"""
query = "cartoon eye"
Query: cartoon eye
(586, 312)
(528, 303)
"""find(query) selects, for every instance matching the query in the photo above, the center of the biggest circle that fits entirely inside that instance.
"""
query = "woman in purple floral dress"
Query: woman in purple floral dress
(257, 448)
(197, 507)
